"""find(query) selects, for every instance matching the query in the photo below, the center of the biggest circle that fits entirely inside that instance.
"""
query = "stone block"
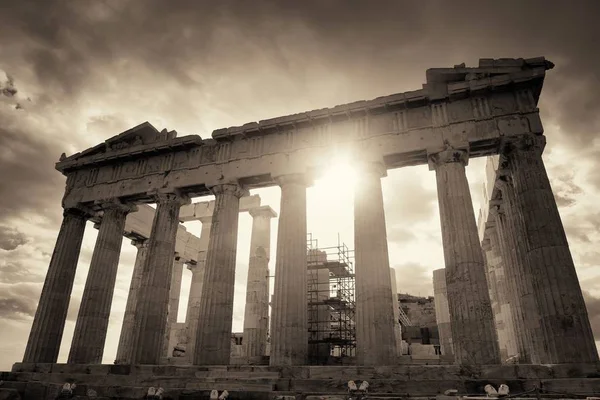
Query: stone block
(526, 371)
(18, 386)
(434, 372)
(34, 390)
(297, 372)
(43, 367)
(498, 372)
(23, 367)
(575, 370)
(326, 372)
(9, 394)
(119, 369)
(282, 385)
(589, 386)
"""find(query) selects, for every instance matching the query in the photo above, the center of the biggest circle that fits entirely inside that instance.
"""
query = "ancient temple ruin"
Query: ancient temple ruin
(459, 113)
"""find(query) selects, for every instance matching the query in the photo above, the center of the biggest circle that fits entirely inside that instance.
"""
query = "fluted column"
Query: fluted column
(49, 321)
(516, 283)
(174, 294)
(91, 327)
(396, 305)
(563, 317)
(257, 291)
(289, 334)
(127, 330)
(375, 340)
(213, 339)
(442, 312)
(491, 265)
(497, 285)
(153, 299)
(193, 310)
(472, 321)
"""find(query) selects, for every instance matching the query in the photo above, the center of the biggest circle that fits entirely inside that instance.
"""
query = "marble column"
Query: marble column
(46, 333)
(91, 327)
(375, 339)
(125, 347)
(563, 317)
(153, 298)
(213, 338)
(500, 300)
(289, 334)
(257, 290)
(174, 294)
(491, 264)
(442, 312)
(517, 283)
(193, 309)
(472, 321)
(396, 305)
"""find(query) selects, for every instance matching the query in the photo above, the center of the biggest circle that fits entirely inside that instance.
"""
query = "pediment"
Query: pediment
(140, 135)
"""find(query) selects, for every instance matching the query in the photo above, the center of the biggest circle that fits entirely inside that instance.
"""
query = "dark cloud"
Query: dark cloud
(13, 272)
(11, 238)
(30, 183)
(19, 301)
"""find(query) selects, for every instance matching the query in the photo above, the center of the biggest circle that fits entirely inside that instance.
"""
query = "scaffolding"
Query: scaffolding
(331, 305)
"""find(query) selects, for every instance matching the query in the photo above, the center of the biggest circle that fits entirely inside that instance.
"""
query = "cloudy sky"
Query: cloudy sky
(74, 73)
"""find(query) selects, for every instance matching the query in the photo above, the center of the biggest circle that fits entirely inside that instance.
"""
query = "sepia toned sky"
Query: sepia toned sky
(74, 73)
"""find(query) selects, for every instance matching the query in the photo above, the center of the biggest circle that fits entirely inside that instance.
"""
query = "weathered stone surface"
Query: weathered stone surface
(125, 348)
(195, 297)
(289, 324)
(375, 338)
(49, 321)
(442, 312)
(91, 327)
(517, 284)
(398, 127)
(472, 322)
(174, 294)
(396, 308)
(213, 338)
(499, 295)
(138, 226)
(153, 299)
(561, 312)
(256, 314)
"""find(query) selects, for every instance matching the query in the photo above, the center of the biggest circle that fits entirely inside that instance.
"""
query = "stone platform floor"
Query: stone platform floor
(43, 381)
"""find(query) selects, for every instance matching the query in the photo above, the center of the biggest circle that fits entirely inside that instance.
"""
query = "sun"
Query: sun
(339, 178)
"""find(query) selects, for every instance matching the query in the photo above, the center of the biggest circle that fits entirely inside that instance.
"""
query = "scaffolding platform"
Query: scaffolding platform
(331, 304)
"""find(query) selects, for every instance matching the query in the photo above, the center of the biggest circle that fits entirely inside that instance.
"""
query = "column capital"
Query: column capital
(78, 212)
(140, 243)
(167, 196)
(291, 179)
(115, 204)
(262, 211)
(527, 142)
(448, 155)
(229, 188)
(191, 265)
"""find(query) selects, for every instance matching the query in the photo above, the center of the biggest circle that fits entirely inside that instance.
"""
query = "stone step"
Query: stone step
(421, 372)
(414, 387)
